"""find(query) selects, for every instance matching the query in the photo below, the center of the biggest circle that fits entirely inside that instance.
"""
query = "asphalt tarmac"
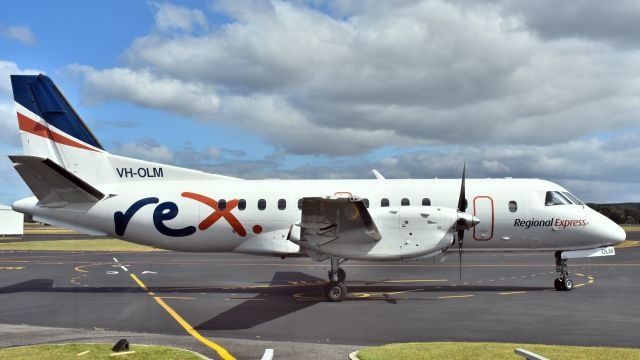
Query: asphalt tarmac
(246, 303)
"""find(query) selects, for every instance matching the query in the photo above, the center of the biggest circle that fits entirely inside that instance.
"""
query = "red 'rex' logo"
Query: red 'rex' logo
(217, 213)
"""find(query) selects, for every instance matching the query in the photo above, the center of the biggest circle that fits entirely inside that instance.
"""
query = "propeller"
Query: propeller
(465, 220)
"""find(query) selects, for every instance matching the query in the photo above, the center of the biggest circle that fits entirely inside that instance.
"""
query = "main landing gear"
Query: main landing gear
(562, 283)
(335, 290)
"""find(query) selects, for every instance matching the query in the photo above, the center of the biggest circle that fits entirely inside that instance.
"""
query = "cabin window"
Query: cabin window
(384, 202)
(262, 204)
(366, 202)
(555, 198)
(405, 202)
(299, 204)
(222, 204)
(282, 204)
(426, 202)
(513, 206)
(242, 204)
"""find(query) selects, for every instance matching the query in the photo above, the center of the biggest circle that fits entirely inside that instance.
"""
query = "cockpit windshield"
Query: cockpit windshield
(556, 198)
(571, 197)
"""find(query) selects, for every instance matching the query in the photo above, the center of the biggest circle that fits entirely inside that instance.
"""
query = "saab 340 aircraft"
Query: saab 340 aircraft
(79, 185)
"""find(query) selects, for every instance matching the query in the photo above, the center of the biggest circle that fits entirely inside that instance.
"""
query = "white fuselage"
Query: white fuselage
(512, 213)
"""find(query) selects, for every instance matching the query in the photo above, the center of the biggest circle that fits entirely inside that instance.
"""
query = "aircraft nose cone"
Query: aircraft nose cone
(475, 221)
(618, 235)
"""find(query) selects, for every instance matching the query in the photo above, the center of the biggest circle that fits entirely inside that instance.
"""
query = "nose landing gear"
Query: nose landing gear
(562, 283)
(335, 290)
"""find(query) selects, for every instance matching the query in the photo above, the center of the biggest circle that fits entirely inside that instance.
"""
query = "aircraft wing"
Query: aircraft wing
(344, 219)
(52, 184)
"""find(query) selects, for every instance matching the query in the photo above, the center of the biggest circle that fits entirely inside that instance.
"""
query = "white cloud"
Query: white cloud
(169, 17)
(601, 162)
(21, 33)
(8, 68)
(414, 73)
(9, 133)
(146, 149)
(144, 88)
(515, 89)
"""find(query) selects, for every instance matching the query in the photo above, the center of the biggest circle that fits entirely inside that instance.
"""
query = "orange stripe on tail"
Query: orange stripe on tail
(32, 127)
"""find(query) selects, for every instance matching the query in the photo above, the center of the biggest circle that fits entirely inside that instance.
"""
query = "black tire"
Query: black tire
(567, 284)
(335, 291)
(342, 275)
(558, 284)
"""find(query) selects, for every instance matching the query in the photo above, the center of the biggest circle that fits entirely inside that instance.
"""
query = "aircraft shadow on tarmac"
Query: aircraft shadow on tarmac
(286, 293)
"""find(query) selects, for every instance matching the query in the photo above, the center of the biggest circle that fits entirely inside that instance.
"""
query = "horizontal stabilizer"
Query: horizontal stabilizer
(52, 184)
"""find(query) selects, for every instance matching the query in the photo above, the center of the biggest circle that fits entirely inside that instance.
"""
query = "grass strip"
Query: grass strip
(628, 244)
(631, 227)
(76, 245)
(93, 351)
(493, 351)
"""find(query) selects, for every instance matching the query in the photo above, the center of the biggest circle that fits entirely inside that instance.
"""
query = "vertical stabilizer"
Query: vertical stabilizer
(51, 129)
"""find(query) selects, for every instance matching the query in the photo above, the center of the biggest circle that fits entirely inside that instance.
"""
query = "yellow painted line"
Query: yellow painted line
(12, 267)
(222, 352)
(579, 274)
(415, 281)
(79, 268)
(140, 283)
(513, 292)
(176, 297)
(455, 296)
(579, 285)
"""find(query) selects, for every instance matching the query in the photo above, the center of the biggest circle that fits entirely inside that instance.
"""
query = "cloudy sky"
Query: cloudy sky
(331, 89)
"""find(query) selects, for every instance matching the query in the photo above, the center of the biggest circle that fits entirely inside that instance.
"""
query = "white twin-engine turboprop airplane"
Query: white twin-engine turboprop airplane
(77, 184)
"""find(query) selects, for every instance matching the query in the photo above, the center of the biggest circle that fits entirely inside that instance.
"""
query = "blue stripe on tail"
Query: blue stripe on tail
(40, 95)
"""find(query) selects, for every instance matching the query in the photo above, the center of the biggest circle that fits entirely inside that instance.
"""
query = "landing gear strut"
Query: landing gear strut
(335, 290)
(562, 283)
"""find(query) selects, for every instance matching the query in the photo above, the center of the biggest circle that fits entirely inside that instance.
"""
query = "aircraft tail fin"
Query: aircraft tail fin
(51, 129)
(46, 119)
(52, 184)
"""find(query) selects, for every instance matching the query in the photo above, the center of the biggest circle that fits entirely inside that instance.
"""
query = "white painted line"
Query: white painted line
(124, 268)
(122, 353)
(148, 272)
(115, 260)
(112, 272)
(268, 354)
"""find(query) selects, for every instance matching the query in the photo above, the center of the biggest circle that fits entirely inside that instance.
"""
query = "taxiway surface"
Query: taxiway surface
(502, 297)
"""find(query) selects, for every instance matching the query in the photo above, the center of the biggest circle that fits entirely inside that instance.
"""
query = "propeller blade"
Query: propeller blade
(461, 208)
(461, 200)
(460, 241)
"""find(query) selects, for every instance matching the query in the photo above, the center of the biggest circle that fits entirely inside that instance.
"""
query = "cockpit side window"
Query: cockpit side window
(571, 197)
(556, 198)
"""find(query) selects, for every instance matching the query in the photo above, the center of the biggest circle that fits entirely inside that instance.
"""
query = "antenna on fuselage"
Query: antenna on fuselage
(377, 174)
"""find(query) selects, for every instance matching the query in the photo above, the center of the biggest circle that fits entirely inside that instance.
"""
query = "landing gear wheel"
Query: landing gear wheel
(335, 291)
(562, 283)
(558, 284)
(342, 275)
(567, 284)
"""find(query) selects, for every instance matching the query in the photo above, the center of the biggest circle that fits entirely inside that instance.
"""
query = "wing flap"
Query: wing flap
(51, 183)
(347, 220)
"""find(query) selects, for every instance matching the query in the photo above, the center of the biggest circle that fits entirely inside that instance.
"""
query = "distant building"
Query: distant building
(11, 222)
